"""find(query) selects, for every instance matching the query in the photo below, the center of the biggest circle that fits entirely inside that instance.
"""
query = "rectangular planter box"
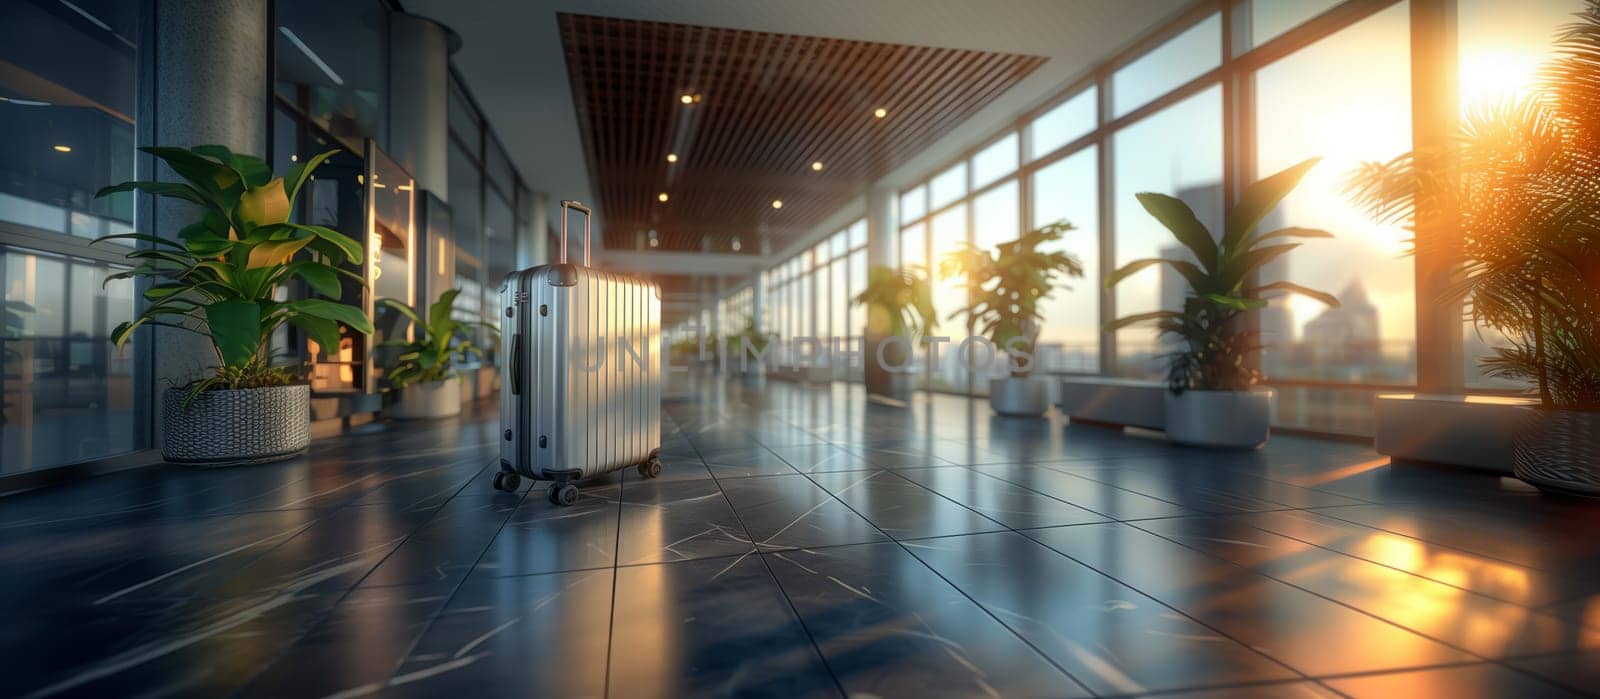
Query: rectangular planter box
(1473, 431)
(1112, 401)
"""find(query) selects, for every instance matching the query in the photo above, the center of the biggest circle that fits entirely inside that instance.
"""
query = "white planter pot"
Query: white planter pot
(1014, 396)
(427, 399)
(1220, 419)
(242, 426)
(1558, 450)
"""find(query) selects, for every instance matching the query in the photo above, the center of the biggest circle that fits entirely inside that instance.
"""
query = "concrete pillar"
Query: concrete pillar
(883, 250)
(210, 58)
(419, 90)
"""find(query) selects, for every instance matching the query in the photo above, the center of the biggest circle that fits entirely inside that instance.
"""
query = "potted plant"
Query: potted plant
(220, 279)
(1523, 177)
(423, 374)
(749, 364)
(1003, 293)
(1213, 398)
(899, 304)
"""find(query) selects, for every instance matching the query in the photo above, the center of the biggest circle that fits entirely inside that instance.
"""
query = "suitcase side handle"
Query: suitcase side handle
(580, 208)
(516, 364)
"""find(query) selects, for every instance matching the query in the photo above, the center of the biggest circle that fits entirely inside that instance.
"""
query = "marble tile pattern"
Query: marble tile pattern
(802, 543)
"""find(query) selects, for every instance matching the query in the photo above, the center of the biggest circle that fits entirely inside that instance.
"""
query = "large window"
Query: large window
(1345, 99)
(1501, 46)
(67, 106)
(1177, 151)
(1178, 60)
(1067, 190)
(332, 63)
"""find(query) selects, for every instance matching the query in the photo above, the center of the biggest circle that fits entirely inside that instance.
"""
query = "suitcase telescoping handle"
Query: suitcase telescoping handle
(577, 206)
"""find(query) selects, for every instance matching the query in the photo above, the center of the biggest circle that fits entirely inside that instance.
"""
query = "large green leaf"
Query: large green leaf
(404, 310)
(320, 277)
(1293, 288)
(351, 249)
(322, 331)
(155, 240)
(333, 310)
(1240, 267)
(161, 189)
(440, 310)
(217, 181)
(274, 252)
(262, 206)
(252, 170)
(1180, 219)
(1126, 321)
(235, 330)
(302, 172)
(1258, 200)
(1293, 232)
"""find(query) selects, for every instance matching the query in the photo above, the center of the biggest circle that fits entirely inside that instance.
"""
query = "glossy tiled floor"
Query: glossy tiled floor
(800, 543)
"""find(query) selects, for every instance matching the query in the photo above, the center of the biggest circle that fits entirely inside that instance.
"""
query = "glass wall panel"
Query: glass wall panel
(466, 208)
(914, 204)
(1270, 18)
(56, 154)
(463, 118)
(858, 313)
(500, 258)
(1177, 151)
(1067, 190)
(1345, 99)
(1501, 47)
(838, 300)
(66, 394)
(948, 186)
(949, 230)
(997, 216)
(332, 63)
(1063, 123)
(1182, 58)
(995, 161)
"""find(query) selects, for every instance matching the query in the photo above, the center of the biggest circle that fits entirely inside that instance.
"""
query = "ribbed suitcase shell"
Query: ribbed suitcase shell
(563, 416)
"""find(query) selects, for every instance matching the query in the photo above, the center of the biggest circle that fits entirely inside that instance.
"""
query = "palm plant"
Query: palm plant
(1216, 344)
(438, 341)
(899, 301)
(1523, 179)
(223, 272)
(1004, 288)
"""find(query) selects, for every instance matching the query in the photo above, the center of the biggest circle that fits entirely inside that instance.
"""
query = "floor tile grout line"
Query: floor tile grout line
(1537, 609)
(456, 589)
(963, 592)
(344, 595)
(1551, 573)
(778, 583)
(905, 549)
(1391, 622)
(616, 558)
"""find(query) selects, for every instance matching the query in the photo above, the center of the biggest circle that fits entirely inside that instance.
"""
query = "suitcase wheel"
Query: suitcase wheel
(507, 482)
(651, 468)
(563, 494)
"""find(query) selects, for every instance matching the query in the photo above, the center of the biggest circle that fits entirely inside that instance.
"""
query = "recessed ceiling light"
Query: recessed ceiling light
(62, 149)
(816, 166)
(655, 243)
(737, 245)
(672, 157)
(880, 112)
(661, 197)
(777, 203)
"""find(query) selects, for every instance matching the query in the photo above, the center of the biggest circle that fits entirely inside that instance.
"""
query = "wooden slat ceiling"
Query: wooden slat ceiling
(769, 106)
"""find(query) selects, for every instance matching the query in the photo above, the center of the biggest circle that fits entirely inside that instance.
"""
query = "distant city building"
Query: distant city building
(1348, 335)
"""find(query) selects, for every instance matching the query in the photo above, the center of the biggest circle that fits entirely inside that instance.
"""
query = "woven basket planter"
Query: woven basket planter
(244, 426)
(1559, 451)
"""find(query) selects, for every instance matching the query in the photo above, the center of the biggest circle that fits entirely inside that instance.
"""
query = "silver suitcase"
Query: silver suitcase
(582, 395)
